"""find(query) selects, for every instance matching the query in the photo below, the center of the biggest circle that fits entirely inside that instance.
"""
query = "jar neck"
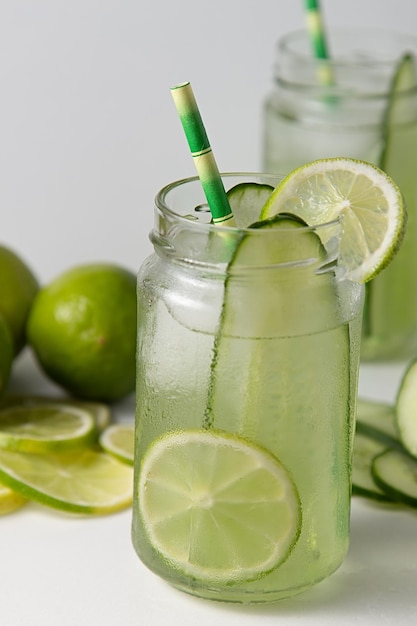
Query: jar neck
(181, 239)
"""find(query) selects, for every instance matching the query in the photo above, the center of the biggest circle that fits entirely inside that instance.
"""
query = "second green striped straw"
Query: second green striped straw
(316, 31)
(202, 154)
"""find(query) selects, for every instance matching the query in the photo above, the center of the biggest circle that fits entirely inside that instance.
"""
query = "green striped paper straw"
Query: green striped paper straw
(316, 31)
(202, 154)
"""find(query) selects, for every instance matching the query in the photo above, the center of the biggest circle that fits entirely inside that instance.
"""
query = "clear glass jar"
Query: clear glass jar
(248, 351)
(306, 120)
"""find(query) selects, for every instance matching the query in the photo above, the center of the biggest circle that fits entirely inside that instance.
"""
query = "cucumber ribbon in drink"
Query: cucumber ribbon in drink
(215, 502)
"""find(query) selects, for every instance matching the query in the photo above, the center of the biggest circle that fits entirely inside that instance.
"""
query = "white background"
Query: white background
(88, 134)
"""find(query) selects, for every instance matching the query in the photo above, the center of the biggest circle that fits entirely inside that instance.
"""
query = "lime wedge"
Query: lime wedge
(10, 500)
(246, 201)
(217, 507)
(370, 203)
(44, 427)
(119, 440)
(83, 481)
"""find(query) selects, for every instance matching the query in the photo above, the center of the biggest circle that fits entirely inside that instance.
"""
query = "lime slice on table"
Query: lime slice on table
(45, 427)
(119, 440)
(370, 203)
(10, 500)
(82, 481)
(99, 411)
(217, 507)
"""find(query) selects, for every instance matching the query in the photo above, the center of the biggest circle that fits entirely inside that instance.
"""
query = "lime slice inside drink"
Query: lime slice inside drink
(217, 507)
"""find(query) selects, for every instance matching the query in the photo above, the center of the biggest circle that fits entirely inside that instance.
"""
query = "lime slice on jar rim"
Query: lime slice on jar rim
(368, 201)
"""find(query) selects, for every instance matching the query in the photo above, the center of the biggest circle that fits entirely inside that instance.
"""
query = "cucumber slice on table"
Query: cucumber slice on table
(382, 469)
(407, 409)
(377, 420)
(395, 473)
(365, 449)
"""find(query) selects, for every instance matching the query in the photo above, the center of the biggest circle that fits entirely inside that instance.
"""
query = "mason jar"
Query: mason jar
(362, 104)
(247, 366)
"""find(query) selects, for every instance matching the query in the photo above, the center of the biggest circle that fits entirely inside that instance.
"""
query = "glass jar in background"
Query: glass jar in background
(354, 112)
(247, 367)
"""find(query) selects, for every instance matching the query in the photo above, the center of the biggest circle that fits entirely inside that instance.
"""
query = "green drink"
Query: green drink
(248, 351)
(370, 113)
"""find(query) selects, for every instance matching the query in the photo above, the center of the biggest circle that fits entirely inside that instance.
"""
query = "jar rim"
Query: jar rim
(361, 39)
(162, 205)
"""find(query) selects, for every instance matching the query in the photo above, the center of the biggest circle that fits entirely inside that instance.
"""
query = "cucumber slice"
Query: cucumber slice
(365, 449)
(398, 109)
(265, 329)
(246, 201)
(396, 474)
(406, 405)
(377, 420)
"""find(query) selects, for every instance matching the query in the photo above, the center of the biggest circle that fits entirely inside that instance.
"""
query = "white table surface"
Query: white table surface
(61, 570)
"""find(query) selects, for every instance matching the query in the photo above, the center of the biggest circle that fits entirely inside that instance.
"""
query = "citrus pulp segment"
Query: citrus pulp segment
(368, 201)
(45, 427)
(83, 481)
(217, 507)
(119, 440)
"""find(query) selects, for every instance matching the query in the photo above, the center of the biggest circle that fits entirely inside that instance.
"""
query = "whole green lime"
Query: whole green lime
(82, 328)
(6, 354)
(18, 287)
